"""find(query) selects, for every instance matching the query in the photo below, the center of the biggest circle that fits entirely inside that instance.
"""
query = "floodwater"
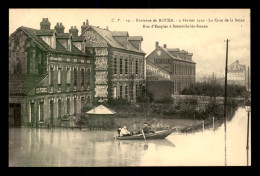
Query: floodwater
(63, 147)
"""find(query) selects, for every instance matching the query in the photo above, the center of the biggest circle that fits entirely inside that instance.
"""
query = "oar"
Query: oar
(144, 136)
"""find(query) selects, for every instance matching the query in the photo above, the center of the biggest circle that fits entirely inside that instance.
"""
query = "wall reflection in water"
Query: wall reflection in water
(61, 147)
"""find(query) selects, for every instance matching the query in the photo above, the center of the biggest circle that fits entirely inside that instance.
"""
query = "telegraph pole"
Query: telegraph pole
(248, 79)
(225, 103)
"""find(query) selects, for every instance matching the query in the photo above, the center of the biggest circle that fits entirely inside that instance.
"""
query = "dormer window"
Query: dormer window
(69, 44)
(53, 41)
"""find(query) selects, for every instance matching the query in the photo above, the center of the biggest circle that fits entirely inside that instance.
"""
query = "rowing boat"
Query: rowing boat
(156, 135)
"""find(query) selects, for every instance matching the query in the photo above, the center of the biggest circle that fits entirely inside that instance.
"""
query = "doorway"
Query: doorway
(15, 114)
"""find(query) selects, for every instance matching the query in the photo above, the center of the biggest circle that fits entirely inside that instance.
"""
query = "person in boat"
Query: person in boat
(146, 129)
(118, 131)
(125, 132)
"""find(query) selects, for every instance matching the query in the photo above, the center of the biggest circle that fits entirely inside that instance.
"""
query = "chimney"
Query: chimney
(74, 31)
(59, 28)
(165, 46)
(84, 26)
(45, 24)
(156, 44)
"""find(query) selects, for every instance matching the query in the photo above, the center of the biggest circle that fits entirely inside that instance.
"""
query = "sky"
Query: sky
(208, 43)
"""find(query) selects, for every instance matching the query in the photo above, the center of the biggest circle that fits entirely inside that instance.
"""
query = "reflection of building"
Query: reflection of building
(49, 74)
(237, 74)
(119, 61)
(168, 71)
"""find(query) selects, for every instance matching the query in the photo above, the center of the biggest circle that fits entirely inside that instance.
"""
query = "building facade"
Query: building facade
(119, 62)
(169, 71)
(50, 75)
(237, 74)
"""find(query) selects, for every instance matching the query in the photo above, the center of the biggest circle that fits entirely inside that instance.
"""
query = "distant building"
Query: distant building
(50, 75)
(169, 71)
(119, 62)
(237, 74)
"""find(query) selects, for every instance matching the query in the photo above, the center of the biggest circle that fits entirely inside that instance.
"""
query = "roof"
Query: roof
(23, 84)
(116, 42)
(119, 33)
(43, 45)
(78, 39)
(237, 62)
(135, 38)
(45, 32)
(174, 57)
(173, 49)
(64, 35)
(101, 109)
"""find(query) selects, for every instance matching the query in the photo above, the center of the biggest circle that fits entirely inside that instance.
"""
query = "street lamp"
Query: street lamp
(248, 110)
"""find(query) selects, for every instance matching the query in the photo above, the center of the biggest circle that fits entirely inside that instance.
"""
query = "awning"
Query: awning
(101, 109)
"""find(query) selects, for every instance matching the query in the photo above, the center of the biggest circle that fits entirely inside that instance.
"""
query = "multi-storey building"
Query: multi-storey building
(168, 71)
(50, 75)
(237, 74)
(119, 62)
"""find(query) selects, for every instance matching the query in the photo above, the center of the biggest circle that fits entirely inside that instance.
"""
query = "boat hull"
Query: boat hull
(157, 135)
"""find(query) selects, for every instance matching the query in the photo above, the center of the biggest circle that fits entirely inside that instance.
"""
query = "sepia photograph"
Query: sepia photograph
(129, 87)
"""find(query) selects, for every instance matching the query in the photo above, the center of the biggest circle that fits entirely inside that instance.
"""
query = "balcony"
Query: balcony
(59, 88)
(68, 88)
(51, 89)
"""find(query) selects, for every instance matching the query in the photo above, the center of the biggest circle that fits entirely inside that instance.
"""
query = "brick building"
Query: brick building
(119, 62)
(50, 75)
(168, 71)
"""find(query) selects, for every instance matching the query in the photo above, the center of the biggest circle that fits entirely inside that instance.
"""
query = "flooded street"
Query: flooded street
(61, 147)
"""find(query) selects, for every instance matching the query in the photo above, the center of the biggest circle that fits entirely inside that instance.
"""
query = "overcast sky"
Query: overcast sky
(206, 44)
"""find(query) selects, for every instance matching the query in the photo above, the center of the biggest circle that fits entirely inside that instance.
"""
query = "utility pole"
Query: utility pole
(248, 79)
(225, 103)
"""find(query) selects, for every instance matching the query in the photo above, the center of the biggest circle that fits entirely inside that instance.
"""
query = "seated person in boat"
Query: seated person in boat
(118, 131)
(145, 128)
(125, 132)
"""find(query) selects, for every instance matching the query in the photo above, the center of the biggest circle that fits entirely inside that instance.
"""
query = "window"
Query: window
(115, 65)
(75, 76)
(126, 92)
(82, 104)
(121, 65)
(136, 89)
(136, 67)
(32, 112)
(83, 47)
(59, 76)
(126, 66)
(51, 112)
(121, 91)
(130, 66)
(75, 106)
(82, 76)
(131, 93)
(88, 78)
(59, 108)
(68, 75)
(69, 45)
(41, 112)
(51, 76)
(114, 92)
(68, 106)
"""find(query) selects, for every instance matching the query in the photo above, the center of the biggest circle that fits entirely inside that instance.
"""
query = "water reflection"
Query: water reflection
(61, 147)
